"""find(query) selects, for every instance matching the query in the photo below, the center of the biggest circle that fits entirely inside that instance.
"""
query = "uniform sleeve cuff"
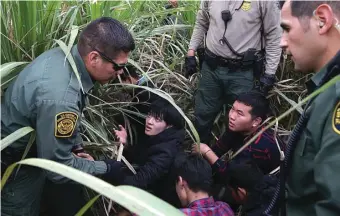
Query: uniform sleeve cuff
(193, 48)
(100, 167)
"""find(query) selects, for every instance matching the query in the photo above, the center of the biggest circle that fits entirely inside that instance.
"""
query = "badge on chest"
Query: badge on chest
(246, 6)
(336, 119)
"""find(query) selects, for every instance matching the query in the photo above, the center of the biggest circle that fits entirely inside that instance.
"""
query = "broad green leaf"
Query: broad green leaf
(132, 198)
(74, 33)
(71, 61)
(7, 68)
(5, 142)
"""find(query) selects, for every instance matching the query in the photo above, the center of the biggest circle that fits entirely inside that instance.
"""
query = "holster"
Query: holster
(200, 54)
(210, 59)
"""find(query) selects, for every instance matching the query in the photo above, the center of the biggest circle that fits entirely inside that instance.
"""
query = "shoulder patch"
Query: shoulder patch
(65, 123)
(336, 119)
(246, 5)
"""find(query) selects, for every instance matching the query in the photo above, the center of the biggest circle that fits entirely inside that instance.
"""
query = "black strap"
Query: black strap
(225, 40)
(262, 27)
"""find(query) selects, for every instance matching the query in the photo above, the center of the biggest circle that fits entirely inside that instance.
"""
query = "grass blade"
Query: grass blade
(8, 140)
(134, 199)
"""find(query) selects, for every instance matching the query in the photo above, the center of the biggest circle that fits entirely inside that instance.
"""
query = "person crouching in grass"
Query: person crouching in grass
(193, 183)
(164, 127)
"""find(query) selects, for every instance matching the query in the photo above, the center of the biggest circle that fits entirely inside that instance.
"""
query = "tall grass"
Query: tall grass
(28, 28)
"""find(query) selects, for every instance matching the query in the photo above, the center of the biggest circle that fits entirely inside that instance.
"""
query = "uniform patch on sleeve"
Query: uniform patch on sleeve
(336, 119)
(65, 123)
(246, 5)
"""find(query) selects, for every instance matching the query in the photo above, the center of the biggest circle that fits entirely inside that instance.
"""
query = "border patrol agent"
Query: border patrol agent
(312, 158)
(48, 97)
(233, 54)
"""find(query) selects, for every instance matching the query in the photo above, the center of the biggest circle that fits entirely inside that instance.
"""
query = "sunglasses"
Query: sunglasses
(115, 66)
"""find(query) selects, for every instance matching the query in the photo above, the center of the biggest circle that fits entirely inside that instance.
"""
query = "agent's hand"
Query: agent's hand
(203, 148)
(266, 84)
(121, 134)
(114, 173)
(190, 64)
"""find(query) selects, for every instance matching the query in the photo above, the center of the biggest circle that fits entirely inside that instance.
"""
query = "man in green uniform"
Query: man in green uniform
(312, 38)
(237, 33)
(48, 97)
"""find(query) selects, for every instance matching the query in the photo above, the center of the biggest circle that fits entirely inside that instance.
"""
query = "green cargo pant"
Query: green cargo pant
(23, 195)
(216, 88)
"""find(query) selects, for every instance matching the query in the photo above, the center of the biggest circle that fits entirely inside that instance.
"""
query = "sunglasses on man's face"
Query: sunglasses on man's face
(115, 66)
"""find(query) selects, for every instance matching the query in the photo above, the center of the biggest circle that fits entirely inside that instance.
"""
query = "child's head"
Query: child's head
(162, 115)
(193, 175)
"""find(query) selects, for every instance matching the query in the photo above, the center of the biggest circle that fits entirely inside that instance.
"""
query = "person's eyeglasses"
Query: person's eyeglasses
(116, 66)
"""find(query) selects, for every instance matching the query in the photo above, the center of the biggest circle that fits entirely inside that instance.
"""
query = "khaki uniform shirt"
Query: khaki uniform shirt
(243, 31)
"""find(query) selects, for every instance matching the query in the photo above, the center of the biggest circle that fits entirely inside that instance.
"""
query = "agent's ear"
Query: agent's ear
(325, 18)
(93, 58)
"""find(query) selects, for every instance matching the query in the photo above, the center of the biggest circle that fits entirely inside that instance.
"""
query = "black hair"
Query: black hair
(305, 8)
(163, 109)
(130, 70)
(258, 102)
(106, 35)
(195, 170)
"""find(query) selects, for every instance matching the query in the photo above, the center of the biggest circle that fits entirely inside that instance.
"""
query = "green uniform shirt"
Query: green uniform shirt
(243, 30)
(47, 97)
(313, 182)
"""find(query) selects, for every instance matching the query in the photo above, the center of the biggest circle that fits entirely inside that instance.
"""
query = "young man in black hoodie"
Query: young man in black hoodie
(164, 127)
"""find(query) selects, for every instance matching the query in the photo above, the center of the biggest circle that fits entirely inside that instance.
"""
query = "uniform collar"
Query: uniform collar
(325, 74)
(85, 77)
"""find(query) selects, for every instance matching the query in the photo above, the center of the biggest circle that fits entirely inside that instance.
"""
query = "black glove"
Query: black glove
(267, 82)
(190, 66)
(114, 173)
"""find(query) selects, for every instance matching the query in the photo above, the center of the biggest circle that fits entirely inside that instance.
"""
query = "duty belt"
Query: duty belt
(226, 62)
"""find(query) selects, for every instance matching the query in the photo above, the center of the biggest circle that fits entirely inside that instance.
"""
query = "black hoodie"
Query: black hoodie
(155, 162)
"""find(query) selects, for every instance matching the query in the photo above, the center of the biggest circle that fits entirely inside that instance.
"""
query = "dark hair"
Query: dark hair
(259, 104)
(107, 35)
(305, 8)
(163, 109)
(129, 70)
(195, 170)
